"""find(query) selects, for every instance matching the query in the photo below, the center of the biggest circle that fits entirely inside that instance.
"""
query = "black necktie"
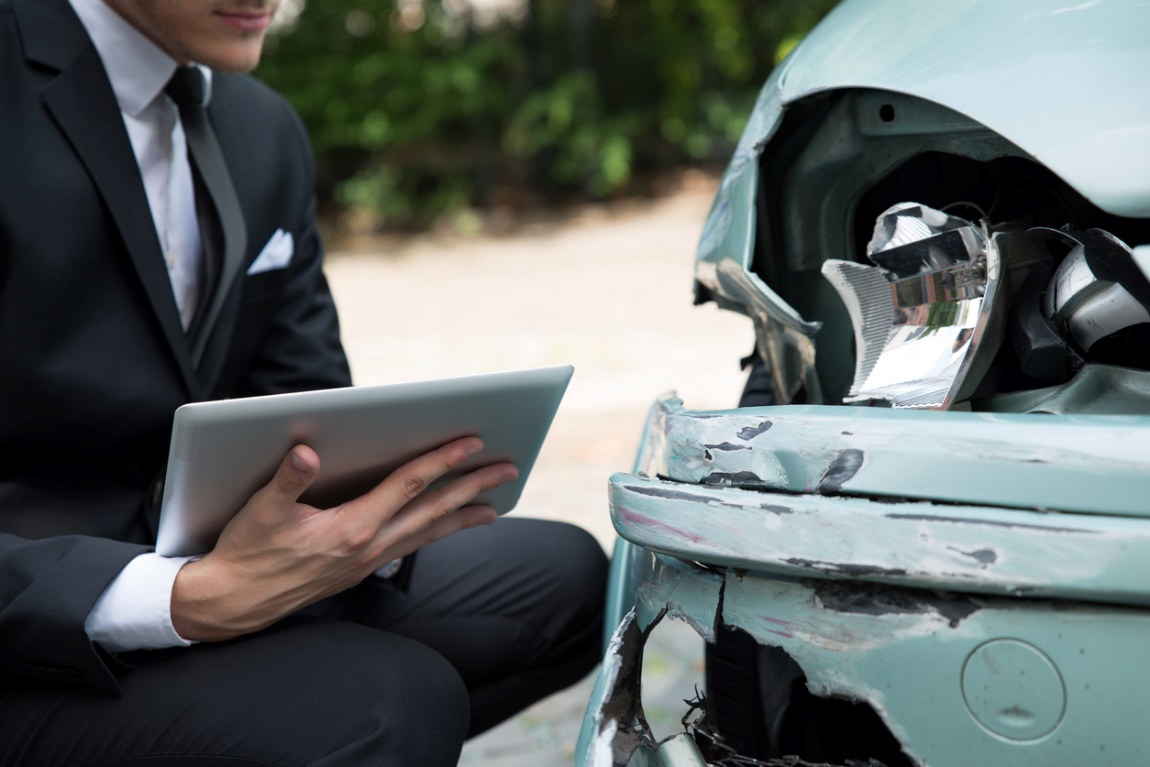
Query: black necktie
(221, 221)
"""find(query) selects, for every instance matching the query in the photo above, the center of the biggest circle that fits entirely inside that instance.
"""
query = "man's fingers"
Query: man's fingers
(401, 510)
(297, 471)
(410, 480)
(434, 506)
(468, 516)
(461, 519)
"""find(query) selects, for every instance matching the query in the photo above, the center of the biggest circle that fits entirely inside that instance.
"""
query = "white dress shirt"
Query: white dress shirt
(134, 612)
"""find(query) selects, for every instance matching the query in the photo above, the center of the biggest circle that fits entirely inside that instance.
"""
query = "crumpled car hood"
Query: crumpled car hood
(1060, 79)
(1063, 80)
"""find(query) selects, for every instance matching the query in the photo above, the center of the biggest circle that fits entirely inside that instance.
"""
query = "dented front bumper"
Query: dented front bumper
(979, 580)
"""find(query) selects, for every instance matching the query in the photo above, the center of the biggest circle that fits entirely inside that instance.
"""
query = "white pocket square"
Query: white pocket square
(275, 255)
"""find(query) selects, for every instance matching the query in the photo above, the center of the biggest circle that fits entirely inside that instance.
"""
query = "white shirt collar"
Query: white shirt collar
(137, 68)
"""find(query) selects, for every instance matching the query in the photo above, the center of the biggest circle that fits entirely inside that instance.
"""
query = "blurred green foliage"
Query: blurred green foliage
(418, 108)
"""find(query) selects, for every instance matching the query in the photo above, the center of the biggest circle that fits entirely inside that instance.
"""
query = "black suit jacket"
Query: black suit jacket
(93, 359)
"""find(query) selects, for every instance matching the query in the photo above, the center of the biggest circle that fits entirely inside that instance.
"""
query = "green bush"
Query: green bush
(418, 107)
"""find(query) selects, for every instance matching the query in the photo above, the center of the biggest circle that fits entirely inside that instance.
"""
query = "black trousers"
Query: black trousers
(489, 621)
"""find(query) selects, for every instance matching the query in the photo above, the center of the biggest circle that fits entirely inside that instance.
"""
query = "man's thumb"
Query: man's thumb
(296, 473)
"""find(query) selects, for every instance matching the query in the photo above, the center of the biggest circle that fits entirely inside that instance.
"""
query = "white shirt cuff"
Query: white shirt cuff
(135, 610)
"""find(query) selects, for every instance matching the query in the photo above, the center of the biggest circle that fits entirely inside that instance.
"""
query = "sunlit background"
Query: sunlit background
(469, 113)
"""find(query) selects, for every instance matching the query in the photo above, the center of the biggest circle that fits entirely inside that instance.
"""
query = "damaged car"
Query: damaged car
(923, 535)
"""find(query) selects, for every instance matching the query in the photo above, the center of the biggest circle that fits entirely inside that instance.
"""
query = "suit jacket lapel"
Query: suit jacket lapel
(82, 102)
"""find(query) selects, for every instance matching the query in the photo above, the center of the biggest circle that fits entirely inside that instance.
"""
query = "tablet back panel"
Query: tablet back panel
(223, 451)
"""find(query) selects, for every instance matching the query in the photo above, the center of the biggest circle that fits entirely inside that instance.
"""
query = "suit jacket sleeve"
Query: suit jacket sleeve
(47, 588)
(69, 504)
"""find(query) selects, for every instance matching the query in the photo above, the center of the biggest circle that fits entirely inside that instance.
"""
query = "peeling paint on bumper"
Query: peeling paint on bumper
(981, 629)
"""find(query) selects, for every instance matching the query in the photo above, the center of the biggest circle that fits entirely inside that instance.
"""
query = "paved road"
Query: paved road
(607, 290)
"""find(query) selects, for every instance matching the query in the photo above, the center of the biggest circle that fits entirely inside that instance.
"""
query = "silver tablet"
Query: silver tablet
(222, 452)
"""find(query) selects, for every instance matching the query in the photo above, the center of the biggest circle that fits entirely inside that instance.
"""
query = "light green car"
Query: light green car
(928, 543)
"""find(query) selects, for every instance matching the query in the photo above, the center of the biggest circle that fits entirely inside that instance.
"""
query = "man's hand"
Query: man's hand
(277, 555)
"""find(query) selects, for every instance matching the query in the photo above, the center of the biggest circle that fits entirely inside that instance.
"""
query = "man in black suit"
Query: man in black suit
(128, 287)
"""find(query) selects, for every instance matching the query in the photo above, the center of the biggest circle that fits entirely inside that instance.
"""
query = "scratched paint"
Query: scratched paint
(813, 542)
(842, 469)
(642, 520)
(612, 726)
(1015, 460)
(680, 591)
(615, 731)
(722, 448)
(945, 547)
(903, 651)
(872, 599)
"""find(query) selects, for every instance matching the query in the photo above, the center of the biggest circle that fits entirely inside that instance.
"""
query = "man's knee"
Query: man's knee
(396, 701)
(567, 578)
(330, 693)
(577, 568)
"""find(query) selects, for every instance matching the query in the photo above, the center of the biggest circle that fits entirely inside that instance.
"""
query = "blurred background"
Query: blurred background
(431, 111)
(513, 183)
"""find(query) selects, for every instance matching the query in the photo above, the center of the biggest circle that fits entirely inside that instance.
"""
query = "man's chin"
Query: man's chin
(232, 62)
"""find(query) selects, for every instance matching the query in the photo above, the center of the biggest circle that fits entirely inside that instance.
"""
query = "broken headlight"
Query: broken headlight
(931, 310)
